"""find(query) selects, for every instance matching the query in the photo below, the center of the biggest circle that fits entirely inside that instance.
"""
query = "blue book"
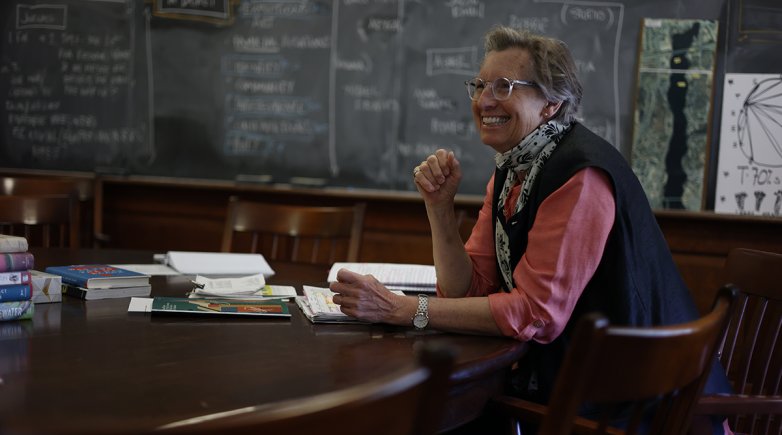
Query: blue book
(98, 276)
(15, 292)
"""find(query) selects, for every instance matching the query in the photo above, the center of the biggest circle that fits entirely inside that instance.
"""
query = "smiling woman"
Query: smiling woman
(564, 229)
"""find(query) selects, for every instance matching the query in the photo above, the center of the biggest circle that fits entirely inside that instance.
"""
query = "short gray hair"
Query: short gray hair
(553, 66)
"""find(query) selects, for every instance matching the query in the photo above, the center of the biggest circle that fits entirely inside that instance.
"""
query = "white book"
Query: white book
(89, 294)
(13, 278)
(395, 276)
(10, 243)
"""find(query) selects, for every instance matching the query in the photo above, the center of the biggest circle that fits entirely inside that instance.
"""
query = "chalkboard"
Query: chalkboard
(73, 85)
(348, 93)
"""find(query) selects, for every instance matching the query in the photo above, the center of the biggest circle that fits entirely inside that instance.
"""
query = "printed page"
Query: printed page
(408, 275)
(321, 302)
(245, 285)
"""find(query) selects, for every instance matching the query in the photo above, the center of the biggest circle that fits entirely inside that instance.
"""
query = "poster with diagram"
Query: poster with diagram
(749, 175)
(671, 119)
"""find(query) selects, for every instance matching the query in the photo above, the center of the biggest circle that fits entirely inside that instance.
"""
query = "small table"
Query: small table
(88, 366)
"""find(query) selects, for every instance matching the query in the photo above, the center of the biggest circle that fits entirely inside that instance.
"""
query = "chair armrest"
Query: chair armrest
(735, 404)
(521, 409)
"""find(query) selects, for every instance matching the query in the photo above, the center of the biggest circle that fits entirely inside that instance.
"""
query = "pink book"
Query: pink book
(10, 262)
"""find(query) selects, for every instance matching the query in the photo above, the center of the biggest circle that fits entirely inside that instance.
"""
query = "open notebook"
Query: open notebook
(403, 277)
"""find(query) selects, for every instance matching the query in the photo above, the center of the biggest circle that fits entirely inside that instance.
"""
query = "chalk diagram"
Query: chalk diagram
(749, 177)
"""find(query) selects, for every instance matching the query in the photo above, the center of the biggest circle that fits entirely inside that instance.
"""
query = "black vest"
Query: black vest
(636, 282)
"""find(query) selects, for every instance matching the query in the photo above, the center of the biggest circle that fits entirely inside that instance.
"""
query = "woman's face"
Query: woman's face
(502, 124)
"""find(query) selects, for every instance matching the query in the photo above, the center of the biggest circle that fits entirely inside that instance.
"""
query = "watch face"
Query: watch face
(420, 321)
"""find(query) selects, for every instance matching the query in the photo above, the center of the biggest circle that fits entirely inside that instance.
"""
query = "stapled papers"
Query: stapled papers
(246, 287)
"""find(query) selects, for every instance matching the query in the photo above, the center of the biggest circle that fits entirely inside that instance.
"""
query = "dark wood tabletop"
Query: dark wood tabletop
(90, 366)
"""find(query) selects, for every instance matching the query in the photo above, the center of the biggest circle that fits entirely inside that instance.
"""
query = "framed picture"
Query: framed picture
(672, 105)
(749, 174)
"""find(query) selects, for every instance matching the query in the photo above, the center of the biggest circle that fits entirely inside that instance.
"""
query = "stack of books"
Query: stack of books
(15, 287)
(101, 281)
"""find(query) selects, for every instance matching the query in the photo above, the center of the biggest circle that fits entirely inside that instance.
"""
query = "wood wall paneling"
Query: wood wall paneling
(163, 215)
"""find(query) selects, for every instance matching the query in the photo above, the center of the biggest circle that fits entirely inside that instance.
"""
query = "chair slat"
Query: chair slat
(752, 354)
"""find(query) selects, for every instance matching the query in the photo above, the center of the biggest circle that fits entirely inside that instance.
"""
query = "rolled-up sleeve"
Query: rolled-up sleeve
(564, 248)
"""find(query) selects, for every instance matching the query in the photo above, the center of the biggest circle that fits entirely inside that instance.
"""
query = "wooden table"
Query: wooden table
(89, 366)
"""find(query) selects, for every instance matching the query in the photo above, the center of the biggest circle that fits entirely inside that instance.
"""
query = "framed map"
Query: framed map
(749, 174)
(672, 105)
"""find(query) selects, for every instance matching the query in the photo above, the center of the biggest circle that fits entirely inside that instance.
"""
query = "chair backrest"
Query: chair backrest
(83, 188)
(45, 220)
(410, 401)
(46, 186)
(306, 234)
(465, 223)
(752, 349)
(621, 369)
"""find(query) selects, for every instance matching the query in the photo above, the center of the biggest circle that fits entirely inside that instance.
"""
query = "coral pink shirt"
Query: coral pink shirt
(564, 248)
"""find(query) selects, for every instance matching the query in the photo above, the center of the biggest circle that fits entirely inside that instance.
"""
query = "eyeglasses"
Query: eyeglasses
(501, 88)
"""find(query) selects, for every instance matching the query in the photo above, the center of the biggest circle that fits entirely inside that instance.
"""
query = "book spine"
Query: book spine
(11, 262)
(13, 244)
(16, 292)
(19, 310)
(13, 278)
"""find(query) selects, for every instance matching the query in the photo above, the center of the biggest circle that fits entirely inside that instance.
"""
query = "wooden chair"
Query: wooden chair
(410, 401)
(752, 349)
(318, 235)
(83, 188)
(617, 368)
(45, 220)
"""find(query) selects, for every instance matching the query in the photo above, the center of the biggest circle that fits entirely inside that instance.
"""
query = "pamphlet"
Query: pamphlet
(210, 306)
(318, 306)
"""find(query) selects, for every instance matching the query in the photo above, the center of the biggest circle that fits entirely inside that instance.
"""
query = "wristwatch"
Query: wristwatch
(421, 317)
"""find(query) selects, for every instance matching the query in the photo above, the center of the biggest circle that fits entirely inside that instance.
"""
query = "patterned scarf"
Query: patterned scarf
(528, 157)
